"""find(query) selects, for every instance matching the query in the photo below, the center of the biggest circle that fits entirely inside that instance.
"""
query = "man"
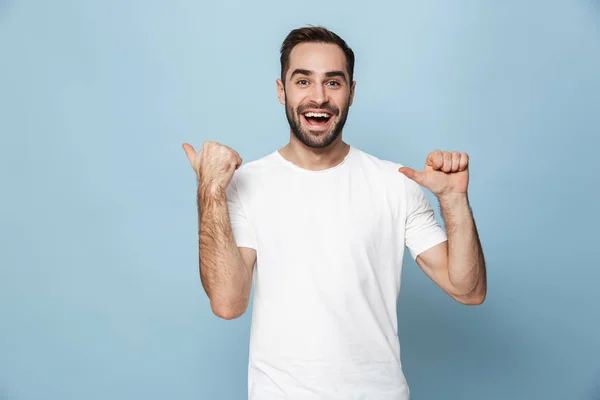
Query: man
(320, 227)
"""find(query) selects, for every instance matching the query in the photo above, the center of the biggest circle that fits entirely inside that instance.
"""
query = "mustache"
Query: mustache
(326, 107)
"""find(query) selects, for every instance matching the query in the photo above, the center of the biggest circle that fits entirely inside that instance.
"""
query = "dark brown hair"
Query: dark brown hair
(314, 34)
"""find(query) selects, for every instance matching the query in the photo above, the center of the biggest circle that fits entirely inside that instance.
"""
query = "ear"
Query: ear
(280, 91)
(352, 93)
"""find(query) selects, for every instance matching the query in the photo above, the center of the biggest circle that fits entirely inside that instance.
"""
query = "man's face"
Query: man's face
(317, 93)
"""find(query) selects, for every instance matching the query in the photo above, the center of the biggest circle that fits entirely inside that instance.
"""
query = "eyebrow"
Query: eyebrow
(329, 74)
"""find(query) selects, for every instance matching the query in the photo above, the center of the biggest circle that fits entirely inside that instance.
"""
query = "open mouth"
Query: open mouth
(317, 119)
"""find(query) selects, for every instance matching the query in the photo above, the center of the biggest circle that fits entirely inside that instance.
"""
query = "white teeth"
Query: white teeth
(313, 114)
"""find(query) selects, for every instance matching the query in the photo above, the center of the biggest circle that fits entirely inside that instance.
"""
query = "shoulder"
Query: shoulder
(257, 166)
(252, 171)
(369, 159)
(385, 168)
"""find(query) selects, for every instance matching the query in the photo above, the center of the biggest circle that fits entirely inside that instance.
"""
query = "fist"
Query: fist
(444, 173)
(214, 164)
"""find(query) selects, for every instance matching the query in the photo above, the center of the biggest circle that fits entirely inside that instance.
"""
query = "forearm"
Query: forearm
(466, 264)
(225, 278)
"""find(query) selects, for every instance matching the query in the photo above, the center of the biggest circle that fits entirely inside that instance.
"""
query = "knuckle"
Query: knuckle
(212, 146)
(229, 156)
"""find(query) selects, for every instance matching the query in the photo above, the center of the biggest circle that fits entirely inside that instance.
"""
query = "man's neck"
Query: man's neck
(315, 159)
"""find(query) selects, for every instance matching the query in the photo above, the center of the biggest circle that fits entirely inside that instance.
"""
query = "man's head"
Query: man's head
(316, 85)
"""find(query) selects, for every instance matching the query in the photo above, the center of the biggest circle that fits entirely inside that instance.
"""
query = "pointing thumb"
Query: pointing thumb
(411, 174)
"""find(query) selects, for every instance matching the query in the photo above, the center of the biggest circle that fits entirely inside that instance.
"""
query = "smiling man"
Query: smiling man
(321, 228)
(317, 99)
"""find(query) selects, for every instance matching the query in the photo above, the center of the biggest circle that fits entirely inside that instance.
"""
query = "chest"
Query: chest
(325, 217)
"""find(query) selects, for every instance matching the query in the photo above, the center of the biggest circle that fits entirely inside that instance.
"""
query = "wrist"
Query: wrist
(210, 191)
(453, 199)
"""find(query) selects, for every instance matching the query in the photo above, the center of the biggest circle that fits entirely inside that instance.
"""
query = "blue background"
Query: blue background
(99, 290)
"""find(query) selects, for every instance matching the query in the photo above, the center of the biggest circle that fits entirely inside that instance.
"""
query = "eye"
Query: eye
(333, 83)
(302, 82)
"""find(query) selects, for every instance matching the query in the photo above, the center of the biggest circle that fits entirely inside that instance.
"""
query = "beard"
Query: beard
(322, 139)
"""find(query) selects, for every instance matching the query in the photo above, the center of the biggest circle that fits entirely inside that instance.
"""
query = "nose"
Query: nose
(318, 94)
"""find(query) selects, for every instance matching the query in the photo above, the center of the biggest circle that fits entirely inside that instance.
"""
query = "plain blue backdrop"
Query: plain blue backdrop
(100, 296)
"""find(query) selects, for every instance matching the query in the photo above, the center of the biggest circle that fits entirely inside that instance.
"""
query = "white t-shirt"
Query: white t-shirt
(329, 248)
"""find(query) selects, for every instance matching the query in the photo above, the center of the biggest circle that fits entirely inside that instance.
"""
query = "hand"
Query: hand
(214, 164)
(444, 173)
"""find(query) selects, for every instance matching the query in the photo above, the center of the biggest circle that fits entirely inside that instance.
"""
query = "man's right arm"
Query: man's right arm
(225, 270)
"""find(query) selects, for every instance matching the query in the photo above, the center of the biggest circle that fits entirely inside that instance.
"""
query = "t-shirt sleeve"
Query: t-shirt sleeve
(243, 232)
(422, 229)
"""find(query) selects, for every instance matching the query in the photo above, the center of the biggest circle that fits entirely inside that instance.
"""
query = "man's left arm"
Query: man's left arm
(457, 265)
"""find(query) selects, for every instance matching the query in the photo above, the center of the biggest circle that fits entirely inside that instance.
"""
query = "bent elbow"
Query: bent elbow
(472, 300)
(227, 312)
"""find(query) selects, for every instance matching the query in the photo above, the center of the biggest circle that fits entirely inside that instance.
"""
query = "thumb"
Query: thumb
(189, 151)
(411, 174)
